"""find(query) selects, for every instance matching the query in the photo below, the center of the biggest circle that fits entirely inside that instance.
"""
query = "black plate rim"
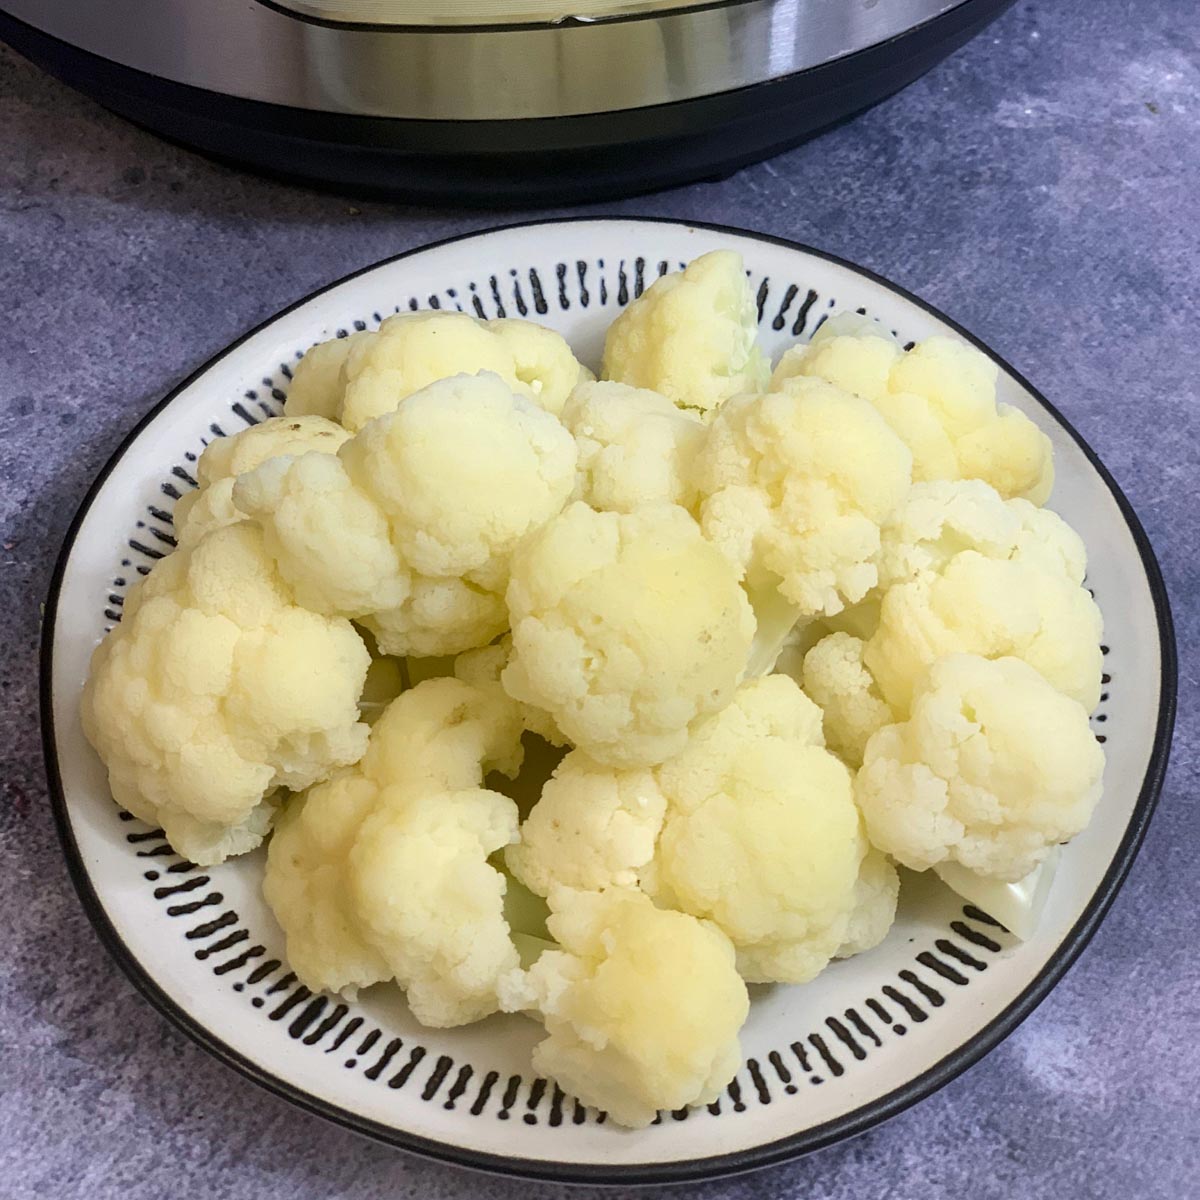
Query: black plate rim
(718, 1165)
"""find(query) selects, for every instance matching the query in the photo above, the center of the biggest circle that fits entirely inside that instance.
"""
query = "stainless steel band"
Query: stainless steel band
(245, 48)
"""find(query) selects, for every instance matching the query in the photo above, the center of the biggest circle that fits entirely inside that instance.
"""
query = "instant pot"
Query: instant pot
(488, 102)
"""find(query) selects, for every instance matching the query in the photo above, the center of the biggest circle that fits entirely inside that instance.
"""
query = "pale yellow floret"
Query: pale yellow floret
(876, 895)
(635, 447)
(410, 527)
(382, 872)
(994, 609)
(626, 628)
(317, 382)
(211, 504)
(215, 690)
(691, 336)
(356, 379)
(594, 827)
(642, 1006)
(993, 768)
(836, 678)
(796, 485)
(762, 836)
(940, 397)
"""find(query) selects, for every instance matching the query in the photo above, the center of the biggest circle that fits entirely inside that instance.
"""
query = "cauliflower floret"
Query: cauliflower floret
(430, 901)
(796, 485)
(996, 609)
(215, 690)
(626, 628)
(635, 447)
(1044, 537)
(761, 835)
(356, 379)
(993, 768)
(642, 1006)
(592, 828)
(835, 677)
(211, 504)
(410, 527)
(940, 397)
(317, 384)
(691, 336)
(875, 897)
(306, 885)
(382, 872)
(939, 520)
(485, 666)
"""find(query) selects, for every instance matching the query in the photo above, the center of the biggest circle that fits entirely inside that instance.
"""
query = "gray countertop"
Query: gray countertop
(1040, 186)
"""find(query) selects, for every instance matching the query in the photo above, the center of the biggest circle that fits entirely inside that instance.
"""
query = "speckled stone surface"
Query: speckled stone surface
(1041, 187)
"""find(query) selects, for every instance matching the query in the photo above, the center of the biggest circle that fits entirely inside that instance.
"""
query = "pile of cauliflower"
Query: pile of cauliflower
(598, 700)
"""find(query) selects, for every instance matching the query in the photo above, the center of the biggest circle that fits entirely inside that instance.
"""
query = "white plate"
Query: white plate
(823, 1061)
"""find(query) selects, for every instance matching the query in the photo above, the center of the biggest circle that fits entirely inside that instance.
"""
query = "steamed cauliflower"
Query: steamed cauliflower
(992, 608)
(796, 484)
(626, 628)
(382, 872)
(317, 385)
(940, 397)
(653, 683)
(993, 768)
(635, 447)
(410, 527)
(211, 504)
(642, 1006)
(918, 542)
(216, 690)
(691, 336)
(876, 895)
(836, 677)
(484, 667)
(761, 835)
(942, 519)
(356, 379)
(594, 827)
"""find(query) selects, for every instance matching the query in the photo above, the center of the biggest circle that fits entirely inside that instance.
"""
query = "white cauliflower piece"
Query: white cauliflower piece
(594, 827)
(317, 383)
(626, 628)
(796, 485)
(354, 380)
(642, 1006)
(940, 397)
(211, 504)
(992, 608)
(1044, 537)
(215, 690)
(876, 895)
(410, 527)
(941, 519)
(382, 872)
(635, 447)
(306, 885)
(993, 769)
(485, 667)
(835, 676)
(691, 336)
(762, 836)
(430, 901)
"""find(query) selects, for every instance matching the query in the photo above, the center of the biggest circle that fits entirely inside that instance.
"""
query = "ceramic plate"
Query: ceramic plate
(823, 1061)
